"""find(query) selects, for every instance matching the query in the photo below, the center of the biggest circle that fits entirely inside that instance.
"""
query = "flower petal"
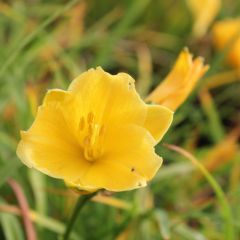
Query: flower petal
(127, 163)
(112, 176)
(55, 96)
(112, 98)
(49, 145)
(158, 120)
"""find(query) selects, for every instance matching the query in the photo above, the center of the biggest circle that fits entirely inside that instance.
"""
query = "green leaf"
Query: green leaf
(8, 169)
(163, 223)
(187, 233)
(37, 180)
(11, 227)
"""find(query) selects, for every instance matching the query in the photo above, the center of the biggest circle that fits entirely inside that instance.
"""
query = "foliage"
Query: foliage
(45, 44)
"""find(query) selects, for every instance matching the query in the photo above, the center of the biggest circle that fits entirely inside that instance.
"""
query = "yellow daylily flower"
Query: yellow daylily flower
(204, 12)
(228, 32)
(98, 134)
(179, 83)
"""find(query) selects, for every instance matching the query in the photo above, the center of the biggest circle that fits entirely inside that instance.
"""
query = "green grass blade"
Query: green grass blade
(132, 13)
(226, 211)
(32, 35)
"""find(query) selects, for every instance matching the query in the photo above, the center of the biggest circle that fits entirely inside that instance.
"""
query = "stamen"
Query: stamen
(93, 134)
(81, 124)
(102, 130)
(90, 129)
(91, 137)
(86, 141)
(90, 118)
(88, 154)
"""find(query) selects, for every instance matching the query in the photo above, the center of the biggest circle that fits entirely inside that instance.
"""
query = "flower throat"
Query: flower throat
(91, 137)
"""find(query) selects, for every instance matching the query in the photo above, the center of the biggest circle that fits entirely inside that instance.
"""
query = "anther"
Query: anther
(90, 118)
(90, 129)
(92, 140)
(81, 124)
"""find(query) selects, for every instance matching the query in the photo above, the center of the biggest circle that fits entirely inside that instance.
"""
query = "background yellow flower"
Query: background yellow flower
(204, 12)
(179, 83)
(226, 33)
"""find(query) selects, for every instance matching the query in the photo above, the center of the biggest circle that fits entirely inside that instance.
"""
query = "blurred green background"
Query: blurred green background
(45, 44)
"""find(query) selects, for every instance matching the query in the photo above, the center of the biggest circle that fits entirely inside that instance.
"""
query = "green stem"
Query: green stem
(79, 205)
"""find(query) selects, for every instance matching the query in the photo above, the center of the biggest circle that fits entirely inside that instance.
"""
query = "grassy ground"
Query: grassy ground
(45, 44)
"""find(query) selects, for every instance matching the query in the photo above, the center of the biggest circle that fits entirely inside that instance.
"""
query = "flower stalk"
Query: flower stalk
(79, 205)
